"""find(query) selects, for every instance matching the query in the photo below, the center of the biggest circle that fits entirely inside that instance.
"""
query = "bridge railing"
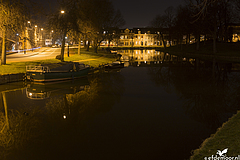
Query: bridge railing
(32, 68)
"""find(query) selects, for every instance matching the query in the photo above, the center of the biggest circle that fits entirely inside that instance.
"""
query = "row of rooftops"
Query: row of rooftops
(143, 30)
(158, 30)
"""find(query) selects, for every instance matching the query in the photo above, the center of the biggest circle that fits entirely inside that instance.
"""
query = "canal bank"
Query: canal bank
(11, 78)
(167, 105)
(14, 72)
(228, 52)
(226, 137)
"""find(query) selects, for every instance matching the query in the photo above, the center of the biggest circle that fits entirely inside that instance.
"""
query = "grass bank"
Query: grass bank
(225, 51)
(228, 136)
(87, 57)
(91, 58)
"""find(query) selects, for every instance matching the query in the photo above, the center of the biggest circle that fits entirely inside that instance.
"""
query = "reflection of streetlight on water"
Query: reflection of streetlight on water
(64, 116)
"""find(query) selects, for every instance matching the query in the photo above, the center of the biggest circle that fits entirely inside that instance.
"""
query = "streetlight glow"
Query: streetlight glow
(41, 29)
(62, 11)
(36, 26)
(29, 22)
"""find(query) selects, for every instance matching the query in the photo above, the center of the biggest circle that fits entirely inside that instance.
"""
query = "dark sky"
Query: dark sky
(137, 13)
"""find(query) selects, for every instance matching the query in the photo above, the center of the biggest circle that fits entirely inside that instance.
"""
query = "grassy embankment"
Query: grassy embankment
(225, 51)
(87, 57)
(228, 136)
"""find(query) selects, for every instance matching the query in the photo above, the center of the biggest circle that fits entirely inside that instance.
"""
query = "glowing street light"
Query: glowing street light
(62, 11)
(41, 29)
(29, 22)
(35, 26)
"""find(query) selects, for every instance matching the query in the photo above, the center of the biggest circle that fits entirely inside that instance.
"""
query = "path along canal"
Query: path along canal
(159, 106)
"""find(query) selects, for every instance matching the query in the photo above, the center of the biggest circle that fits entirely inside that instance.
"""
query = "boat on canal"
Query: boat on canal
(114, 65)
(48, 73)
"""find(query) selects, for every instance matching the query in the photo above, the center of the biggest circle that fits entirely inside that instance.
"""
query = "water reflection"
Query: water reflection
(40, 132)
(150, 57)
(39, 91)
(208, 90)
(140, 112)
(141, 55)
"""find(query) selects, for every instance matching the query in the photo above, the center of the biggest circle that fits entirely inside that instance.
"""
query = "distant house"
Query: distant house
(142, 37)
(48, 42)
(234, 32)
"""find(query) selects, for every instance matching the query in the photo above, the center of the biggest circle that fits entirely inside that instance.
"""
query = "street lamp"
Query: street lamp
(35, 35)
(42, 41)
(62, 21)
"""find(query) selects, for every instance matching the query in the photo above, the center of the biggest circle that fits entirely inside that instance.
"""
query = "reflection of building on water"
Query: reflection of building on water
(140, 55)
(39, 91)
(144, 55)
(150, 57)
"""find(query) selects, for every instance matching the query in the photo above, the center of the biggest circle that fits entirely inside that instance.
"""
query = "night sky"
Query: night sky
(137, 13)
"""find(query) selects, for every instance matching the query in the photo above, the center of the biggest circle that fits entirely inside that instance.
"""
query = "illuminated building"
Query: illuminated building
(142, 37)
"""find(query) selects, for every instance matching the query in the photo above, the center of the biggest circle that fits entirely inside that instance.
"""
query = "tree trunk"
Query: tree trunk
(3, 60)
(215, 36)
(96, 46)
(214, 40)
(205, 39)
(63, 47)
(164, 44)
(198, 41)
(87, 49)
(96, 49)
(79, 46)
(181, 41)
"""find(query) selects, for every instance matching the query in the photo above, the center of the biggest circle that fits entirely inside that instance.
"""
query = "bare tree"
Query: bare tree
(100, 16)
(63, 21)
(13, 15)
(159, 22)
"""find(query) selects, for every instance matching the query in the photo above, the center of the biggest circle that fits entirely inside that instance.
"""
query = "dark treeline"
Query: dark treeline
(208, 18)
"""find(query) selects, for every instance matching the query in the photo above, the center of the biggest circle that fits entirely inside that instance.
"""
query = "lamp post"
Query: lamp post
(35, 35)
(64, 35)
(42, 41)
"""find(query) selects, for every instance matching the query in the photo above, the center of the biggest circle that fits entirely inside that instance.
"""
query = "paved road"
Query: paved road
(40, 54)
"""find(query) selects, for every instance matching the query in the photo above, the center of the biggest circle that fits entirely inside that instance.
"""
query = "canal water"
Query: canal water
(159, 106)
